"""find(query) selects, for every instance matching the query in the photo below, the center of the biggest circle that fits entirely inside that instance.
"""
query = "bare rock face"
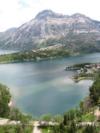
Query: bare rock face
(49, 29)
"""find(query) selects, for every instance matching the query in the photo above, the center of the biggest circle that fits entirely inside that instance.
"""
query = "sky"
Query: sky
(14, 13)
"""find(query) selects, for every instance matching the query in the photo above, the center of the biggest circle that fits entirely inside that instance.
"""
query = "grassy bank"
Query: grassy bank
(34, 55)
(16, 129)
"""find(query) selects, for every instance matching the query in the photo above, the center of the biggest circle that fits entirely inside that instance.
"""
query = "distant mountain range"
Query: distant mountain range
(76, 33)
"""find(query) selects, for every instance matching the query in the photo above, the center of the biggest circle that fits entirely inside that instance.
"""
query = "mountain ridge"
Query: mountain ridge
(49, 29)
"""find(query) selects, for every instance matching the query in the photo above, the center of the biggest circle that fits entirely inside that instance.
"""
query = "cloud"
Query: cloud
(16, 12)
(13, 13)
(23, 4)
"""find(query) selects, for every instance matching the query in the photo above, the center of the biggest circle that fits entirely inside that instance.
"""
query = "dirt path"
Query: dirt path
(36, 129)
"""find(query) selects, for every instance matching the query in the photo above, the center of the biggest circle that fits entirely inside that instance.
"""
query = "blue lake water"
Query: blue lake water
(3, 52)
(45, 87)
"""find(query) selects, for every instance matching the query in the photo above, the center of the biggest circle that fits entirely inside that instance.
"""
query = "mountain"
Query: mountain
(76, 32)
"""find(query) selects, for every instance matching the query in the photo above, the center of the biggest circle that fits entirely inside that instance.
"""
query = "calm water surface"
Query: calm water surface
(45, 87)
(3, 52)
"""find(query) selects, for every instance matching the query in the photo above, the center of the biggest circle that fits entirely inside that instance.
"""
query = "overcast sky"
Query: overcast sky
(13, 13)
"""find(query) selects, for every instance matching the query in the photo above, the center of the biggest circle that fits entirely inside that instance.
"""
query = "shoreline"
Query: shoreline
(81, 78)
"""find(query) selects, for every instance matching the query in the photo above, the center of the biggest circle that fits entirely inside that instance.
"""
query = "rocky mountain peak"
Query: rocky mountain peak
(78, 15)
(48, 26)
(47, 13)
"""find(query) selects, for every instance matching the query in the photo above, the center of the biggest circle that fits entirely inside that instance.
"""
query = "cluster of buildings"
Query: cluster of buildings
(89, 68)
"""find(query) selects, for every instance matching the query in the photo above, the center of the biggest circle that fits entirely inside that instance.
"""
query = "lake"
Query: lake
(44, 87)
(4, 52)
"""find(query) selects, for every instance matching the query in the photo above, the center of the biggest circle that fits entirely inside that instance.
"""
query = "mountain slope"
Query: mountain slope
(75, 32)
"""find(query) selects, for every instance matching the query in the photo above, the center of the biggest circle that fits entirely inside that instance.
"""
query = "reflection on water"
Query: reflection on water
(45, 87)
